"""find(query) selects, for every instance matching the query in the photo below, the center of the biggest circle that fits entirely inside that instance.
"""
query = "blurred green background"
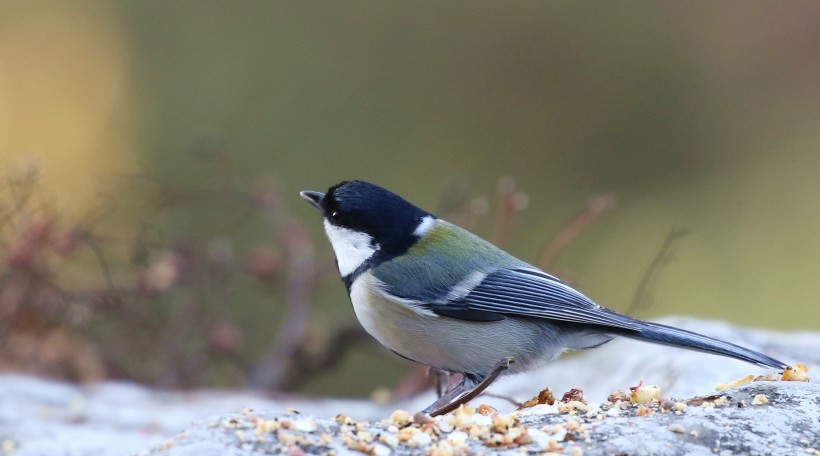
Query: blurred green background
(699, 115)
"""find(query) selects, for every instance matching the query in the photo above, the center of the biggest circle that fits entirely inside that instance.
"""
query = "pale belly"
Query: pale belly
(451, 344)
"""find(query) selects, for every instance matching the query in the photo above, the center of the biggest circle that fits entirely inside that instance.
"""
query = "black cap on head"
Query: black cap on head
(365, 207)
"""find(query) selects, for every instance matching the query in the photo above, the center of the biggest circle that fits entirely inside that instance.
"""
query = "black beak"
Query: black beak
(314, 198)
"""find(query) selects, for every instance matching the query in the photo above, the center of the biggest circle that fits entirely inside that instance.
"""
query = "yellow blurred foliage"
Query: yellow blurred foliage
(65, 98)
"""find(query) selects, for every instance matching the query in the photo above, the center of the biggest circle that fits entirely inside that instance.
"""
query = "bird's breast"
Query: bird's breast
(396, 325)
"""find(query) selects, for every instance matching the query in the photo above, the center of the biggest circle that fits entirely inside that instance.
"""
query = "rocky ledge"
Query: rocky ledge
(757, 418)
(40, 417)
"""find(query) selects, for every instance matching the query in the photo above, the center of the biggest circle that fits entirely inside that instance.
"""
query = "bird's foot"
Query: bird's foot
(467, 390)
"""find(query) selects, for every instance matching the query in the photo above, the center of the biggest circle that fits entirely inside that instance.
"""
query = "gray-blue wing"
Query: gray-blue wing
(529, 293)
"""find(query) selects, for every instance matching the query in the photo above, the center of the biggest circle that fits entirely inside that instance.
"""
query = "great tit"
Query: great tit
(438, 295)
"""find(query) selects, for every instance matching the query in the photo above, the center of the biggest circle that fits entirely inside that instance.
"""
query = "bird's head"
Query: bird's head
(365, 223)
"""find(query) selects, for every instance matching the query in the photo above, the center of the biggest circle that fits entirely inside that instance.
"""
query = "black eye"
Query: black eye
(336, 215)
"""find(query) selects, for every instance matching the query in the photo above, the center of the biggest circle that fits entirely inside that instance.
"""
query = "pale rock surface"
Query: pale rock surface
(788, 424)
(45, 417)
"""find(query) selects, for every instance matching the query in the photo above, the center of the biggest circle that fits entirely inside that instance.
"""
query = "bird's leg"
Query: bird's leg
(466, 384)
(469, 388)
(441, 379)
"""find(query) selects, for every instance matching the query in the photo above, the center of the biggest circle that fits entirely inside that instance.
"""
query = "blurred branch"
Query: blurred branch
(171, 269)
(503, 221)
(573, 228)
(510, 202)
(663, 257)
(306, 364)
(21, 187)
(101, 261)
(271, 369)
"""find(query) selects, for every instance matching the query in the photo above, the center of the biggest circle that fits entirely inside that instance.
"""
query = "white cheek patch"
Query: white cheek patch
(352, 248)
(425, 226)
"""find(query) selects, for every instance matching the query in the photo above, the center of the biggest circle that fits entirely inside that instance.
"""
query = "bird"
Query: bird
(438, 295)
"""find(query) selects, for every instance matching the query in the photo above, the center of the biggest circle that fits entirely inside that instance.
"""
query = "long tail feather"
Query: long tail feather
(668, 335)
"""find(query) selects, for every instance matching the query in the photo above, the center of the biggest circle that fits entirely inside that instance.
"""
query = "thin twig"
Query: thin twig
(573, 228)
(663, 257)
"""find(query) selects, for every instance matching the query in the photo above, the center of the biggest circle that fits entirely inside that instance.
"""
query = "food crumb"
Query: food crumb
(304, 425)
(734, 383)
(643, 394)
(767, 378)
(760, 399)
(545, 396)
(617, 396)
(573, 394)
(677, 428)
(486, 410)
(796, 373)
(343, 419)
(400, 418)
(722, 401)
